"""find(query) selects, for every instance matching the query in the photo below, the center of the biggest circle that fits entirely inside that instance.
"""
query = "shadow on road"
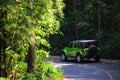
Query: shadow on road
(87, 70)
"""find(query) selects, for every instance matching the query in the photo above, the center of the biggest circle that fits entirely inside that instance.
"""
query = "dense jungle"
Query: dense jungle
(32, 30)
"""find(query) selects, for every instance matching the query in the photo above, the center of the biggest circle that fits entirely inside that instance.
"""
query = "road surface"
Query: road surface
(88, 70)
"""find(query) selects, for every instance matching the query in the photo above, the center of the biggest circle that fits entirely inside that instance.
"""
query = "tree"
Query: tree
(99, 21)
(26, 26)
(31, 48)
(3, 42)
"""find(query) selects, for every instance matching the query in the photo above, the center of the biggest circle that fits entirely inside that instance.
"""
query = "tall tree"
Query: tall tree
(31, 48)
(99, 20)
(3, 36)
(26, 26)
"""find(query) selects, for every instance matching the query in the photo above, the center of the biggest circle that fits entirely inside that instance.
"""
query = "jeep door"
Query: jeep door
(70, 49)
(73, 49)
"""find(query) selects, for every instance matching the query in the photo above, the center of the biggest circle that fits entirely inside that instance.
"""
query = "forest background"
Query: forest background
(93, 19)
(30, 30)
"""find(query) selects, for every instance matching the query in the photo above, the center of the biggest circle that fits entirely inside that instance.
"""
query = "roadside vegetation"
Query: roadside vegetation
(25, 28)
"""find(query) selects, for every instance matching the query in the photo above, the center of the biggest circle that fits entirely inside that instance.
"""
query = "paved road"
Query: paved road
(89, 70)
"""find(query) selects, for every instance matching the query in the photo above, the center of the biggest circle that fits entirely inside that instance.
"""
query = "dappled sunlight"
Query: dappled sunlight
(62, 65)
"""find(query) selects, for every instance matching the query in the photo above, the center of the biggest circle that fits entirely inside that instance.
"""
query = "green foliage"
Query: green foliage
(45, 71)
(49, 72)
(111, 34)
(111, 47)
(21, 20)
(3, 79)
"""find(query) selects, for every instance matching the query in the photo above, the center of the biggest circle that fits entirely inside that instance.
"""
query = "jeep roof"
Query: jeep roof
(84, 41)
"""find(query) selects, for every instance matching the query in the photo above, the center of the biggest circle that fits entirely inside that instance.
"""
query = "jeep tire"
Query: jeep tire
(79, 58)
(63, 57)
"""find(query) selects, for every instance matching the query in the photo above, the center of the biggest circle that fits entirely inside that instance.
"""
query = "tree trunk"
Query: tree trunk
(31, 58)
(31, 53)
(3, 72)
(31, 49)
(3, 44)
(99, 21)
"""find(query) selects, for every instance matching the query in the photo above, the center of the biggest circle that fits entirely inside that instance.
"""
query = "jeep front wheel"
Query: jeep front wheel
(79, 58)
(63, 57)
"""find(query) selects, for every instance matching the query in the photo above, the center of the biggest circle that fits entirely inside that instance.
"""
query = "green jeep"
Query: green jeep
(81, 49)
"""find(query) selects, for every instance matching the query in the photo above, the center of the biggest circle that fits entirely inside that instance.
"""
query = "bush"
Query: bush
(3, 78)
(111, 46)
(45, 71)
